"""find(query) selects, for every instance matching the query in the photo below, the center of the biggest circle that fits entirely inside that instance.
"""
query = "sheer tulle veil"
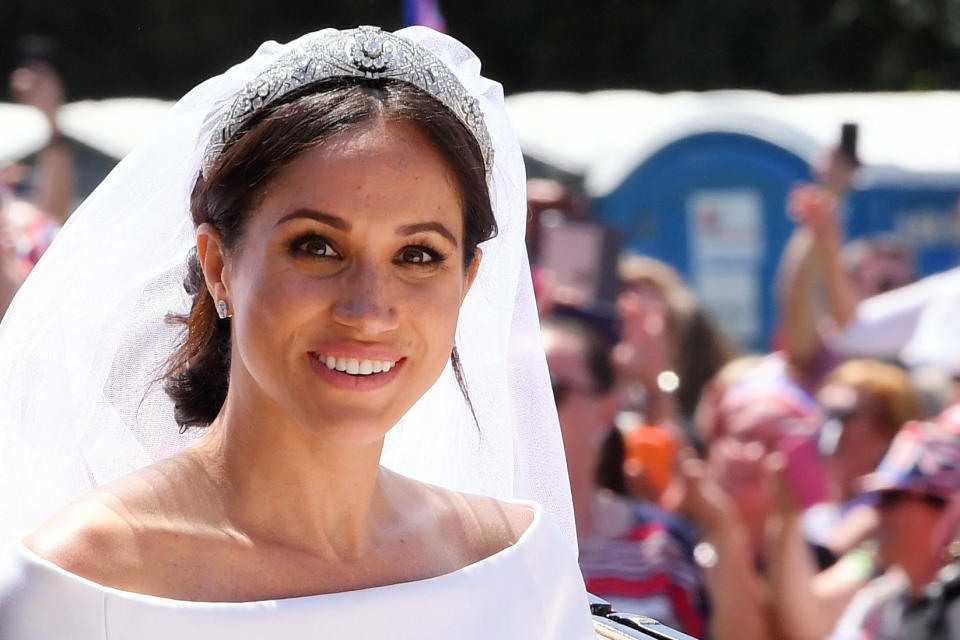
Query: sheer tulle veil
(83, 342)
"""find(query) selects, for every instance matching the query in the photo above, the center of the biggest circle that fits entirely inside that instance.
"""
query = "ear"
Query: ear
(472, 269)
(213, 261)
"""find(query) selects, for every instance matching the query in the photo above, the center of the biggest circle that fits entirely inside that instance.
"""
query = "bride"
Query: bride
(352, 194)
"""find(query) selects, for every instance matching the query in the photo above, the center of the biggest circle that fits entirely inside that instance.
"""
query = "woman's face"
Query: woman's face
(862, 441)
(347, 283)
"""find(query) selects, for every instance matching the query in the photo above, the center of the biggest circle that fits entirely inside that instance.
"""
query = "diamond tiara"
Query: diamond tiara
(365, 52)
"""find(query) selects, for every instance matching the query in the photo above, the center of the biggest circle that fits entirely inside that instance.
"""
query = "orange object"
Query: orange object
(654, 450)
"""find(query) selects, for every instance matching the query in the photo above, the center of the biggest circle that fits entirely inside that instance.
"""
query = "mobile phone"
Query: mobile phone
(803, 469)
(582, 257)
(848, 141)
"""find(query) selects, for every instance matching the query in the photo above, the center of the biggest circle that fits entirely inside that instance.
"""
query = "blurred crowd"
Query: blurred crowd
(35, 199)
(805, 493)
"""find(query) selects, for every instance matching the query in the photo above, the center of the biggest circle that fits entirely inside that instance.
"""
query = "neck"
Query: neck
(281, 483)
(920, 572)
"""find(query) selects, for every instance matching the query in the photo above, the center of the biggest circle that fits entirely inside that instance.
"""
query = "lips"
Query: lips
(355, 366)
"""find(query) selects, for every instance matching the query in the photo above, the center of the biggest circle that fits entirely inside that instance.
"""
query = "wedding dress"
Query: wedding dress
(82, 342)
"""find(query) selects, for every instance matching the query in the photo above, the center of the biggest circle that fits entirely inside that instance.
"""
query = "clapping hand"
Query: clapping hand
(698, 496)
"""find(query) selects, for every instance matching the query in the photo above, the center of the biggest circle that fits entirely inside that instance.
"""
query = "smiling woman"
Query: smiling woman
(368, 279)
(384, 157)
(339, 187)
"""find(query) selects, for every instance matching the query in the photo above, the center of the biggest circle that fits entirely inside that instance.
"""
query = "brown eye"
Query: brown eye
(315, 246)
(418, 255)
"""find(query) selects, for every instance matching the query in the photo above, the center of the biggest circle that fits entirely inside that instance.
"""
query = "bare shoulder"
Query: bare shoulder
(485, 525)
(92, 538)
(112, 534)
(498, 520)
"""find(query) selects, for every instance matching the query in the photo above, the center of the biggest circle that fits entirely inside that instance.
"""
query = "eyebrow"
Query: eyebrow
(334, 221)
(410, 229)
(339, 223)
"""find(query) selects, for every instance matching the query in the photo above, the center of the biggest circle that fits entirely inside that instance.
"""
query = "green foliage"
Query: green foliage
(163, 47)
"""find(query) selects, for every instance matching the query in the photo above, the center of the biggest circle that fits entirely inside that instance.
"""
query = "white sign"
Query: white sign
(725, 240)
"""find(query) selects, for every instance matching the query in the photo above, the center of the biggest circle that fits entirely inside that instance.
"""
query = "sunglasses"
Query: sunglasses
(840, 414)
(893, 497)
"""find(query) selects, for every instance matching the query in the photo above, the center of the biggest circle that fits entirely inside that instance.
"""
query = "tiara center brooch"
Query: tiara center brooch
(370, 51)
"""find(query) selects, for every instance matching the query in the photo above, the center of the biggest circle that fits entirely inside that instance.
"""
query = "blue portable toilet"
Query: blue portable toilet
(920, 209)
(700, 181)
(712, 205)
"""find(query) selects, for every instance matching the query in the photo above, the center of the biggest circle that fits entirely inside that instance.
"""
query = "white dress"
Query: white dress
(532, 589)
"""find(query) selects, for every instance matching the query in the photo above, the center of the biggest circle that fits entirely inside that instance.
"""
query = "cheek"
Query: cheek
(274, 305)
(431, 310)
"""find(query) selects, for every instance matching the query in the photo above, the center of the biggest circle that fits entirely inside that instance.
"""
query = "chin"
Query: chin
(351, 426)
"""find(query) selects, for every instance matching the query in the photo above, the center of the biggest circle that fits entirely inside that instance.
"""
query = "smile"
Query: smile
(354, 366)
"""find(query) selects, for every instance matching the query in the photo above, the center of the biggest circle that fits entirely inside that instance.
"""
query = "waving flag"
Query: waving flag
(423, 12)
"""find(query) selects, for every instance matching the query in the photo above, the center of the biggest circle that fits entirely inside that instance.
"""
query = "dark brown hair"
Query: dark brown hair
(197, 374)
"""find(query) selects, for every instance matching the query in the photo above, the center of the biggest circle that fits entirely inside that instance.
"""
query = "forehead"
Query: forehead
(836, 395)
(763, 420)
(380, 171)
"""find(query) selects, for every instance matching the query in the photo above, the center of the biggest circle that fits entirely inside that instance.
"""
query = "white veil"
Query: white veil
(83, 342)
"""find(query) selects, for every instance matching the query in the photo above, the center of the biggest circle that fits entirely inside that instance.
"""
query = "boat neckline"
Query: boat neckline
(33, 558)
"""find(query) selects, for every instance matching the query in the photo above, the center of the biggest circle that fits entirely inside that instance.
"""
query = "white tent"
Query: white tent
(112, 126)
(606, 134)
(23, 130)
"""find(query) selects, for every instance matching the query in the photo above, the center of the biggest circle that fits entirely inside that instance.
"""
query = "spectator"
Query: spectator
(815, 259)
(875, 308)
(752, 405)
(36, 83)
(739, 600)
(632, 553)
(27, 226)
(664, 332)
(916, 483)
(753, 416)
(863, 404)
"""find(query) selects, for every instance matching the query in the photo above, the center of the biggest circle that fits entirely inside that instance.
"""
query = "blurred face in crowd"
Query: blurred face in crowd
(583, 409)
(859, 439)
(907, 521)
(752, 431)
(879, 272)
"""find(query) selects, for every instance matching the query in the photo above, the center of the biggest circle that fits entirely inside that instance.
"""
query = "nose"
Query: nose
(364, 303)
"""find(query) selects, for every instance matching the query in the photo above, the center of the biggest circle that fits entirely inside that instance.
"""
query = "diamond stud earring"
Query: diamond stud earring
(222, 309)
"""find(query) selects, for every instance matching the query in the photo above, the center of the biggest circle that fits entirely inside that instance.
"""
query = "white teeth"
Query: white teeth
(355, 366)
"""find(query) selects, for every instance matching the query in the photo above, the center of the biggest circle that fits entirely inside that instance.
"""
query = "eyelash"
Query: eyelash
(435, 257)
(298, 247)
